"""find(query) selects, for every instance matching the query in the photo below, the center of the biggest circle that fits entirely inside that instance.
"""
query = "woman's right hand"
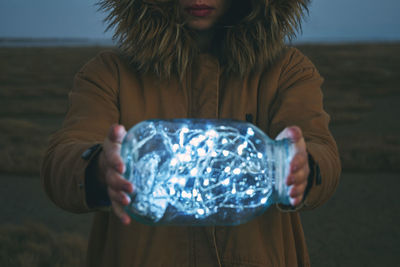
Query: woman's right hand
(111, 168)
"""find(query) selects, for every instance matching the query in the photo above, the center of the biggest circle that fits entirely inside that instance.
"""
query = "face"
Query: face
(203, 14)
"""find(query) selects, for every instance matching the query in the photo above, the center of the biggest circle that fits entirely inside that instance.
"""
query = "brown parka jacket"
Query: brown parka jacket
(110, 89)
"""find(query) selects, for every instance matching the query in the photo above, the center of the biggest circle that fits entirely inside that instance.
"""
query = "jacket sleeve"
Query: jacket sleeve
(299, 101)
(93, 108)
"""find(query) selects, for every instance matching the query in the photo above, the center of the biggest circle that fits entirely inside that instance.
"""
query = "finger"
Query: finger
(300, 177)
(112, 155)
(120, 213)
(299, 171)
(294, 133)
(117, 133)
(115, 161)
(111, 145)
(116, 182)
(297, 190)
(119, 197)
(298, 168)
(296, 195)
(298, 162)
(296, 201)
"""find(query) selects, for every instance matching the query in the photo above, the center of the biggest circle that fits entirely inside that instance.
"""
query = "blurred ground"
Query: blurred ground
(357, 227)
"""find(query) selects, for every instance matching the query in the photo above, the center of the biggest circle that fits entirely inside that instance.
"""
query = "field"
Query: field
(359, 226)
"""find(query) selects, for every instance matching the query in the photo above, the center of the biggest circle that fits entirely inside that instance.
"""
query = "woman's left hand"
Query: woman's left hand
(299, 169)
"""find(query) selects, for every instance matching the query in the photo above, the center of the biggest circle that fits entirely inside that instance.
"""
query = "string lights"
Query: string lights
(203, 172)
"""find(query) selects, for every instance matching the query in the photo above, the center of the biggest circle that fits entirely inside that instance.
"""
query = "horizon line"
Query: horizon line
(89, 41)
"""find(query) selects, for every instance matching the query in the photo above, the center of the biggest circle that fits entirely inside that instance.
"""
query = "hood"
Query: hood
(152, 34)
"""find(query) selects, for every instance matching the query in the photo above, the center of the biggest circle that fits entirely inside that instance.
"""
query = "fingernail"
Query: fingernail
(128, 188)
(125, 200)
(123, 168)
(128, 199)
(120, 168)
(127, 220)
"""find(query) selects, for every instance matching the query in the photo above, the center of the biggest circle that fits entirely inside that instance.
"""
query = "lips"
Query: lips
(199, 10)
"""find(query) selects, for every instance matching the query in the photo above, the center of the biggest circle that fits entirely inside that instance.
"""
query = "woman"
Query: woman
(197, 59)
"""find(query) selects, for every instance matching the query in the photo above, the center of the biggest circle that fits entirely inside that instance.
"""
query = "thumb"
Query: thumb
(117, 133)
(293, 133)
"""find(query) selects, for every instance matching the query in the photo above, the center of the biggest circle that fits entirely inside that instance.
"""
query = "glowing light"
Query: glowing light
(172, 191)
(250, 131)
(186, 194)
(174, 161)
(184, 157)
(194, 192)
(250, 191)
(175, 147)
(241, 147)
(212, 133)
(236, 171)
(201, 152)
(194, 172)
(210, 143)
(182, 181)
(226, 181)
(195, 141)
(206, 182)
(227, 169)
(225, 153)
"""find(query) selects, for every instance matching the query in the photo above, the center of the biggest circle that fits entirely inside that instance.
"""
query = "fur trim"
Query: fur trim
(153, 35)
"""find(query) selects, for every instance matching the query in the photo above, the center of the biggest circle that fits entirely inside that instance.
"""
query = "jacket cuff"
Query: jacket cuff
(313, 177)
(96, 195)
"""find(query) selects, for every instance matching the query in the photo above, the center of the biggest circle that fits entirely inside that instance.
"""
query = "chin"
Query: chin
(200, 27)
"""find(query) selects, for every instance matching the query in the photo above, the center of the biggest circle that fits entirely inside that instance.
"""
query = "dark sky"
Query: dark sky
(329, 20)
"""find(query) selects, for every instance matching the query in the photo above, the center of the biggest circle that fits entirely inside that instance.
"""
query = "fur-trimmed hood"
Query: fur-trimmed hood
(153, 35)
